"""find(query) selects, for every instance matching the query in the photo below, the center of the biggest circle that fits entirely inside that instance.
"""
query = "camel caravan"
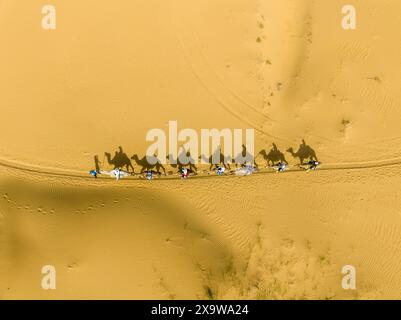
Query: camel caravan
(122, 165)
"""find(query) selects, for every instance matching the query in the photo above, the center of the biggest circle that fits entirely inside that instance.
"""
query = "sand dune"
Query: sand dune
(110, 73)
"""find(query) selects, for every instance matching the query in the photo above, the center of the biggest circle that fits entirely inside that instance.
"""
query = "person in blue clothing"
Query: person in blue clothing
(282, 166)
(220, 170)
(149, 174)
(93, 173)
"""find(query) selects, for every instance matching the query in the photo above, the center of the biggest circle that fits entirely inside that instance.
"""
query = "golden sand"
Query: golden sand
(109, 73)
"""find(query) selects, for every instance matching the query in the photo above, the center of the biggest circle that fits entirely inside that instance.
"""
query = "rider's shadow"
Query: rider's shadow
(97, 163)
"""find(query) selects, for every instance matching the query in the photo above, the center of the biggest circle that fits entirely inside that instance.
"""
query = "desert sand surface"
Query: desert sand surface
(112, 71)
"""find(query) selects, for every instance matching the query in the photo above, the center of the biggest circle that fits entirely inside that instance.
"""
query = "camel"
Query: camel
(146, 165)
(274, 156)
(304, 152)
(119, 160)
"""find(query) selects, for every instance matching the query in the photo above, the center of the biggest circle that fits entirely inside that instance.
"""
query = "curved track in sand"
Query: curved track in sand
(230, 100)
(75, 174)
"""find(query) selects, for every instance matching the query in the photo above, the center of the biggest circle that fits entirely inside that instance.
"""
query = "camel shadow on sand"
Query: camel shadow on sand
(239, 160)
(221, 160)
(145, 165)
(304, 153)
(274, 156)
(179, 164)
(119, 160)
(243, 156)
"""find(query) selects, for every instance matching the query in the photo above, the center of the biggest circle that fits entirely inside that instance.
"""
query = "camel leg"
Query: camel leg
(158, 166)
(314, 157)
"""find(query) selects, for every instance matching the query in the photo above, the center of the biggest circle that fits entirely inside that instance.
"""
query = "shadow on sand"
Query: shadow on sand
(238, 160)
(274, 156)
(119, 160)
(305, 153)
(221, 160)
(181, 164)
(145, 165)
